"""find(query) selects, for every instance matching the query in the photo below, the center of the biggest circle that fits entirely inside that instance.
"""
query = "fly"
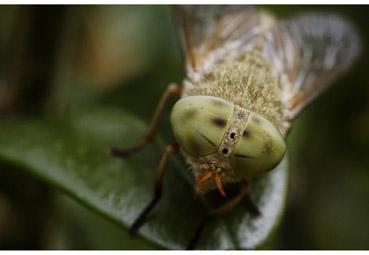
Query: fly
(248, 77)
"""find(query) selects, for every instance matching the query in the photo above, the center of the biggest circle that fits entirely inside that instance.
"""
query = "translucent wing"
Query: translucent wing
(309, 51)
(211, 32)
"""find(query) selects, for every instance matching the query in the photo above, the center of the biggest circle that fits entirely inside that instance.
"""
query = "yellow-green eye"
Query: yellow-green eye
(260, 148)
(199, 123)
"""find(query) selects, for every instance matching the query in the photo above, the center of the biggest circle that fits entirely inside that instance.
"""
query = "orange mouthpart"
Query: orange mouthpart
(218, 180)
(204, 177)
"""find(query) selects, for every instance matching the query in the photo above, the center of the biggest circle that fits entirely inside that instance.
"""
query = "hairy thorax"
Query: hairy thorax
(245, 80)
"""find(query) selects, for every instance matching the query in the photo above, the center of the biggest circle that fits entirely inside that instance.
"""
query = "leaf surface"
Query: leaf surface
(69, 154)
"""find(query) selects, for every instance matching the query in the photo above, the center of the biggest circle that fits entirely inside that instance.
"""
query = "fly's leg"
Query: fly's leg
(229, 206)
(169, 151)
(211, 215)
(172, 90)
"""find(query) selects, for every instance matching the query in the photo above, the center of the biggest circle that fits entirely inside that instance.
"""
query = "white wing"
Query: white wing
(310, 51)
(307, 51)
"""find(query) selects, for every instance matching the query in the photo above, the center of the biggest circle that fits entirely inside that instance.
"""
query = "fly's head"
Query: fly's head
(227, 143)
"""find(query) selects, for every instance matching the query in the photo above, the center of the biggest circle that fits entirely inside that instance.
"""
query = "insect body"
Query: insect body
(248, 77)
(224, 130)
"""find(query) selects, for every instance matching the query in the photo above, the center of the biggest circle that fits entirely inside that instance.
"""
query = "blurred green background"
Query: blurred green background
(64, 59)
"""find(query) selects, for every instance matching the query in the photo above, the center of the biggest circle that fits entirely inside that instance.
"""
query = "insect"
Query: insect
(248, 77)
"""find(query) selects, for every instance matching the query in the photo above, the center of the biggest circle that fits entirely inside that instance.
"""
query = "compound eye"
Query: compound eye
(260, 148)
(199, 123)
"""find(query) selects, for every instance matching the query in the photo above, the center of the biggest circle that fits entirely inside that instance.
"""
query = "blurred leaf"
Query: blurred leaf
(68, 154)
(83, 229)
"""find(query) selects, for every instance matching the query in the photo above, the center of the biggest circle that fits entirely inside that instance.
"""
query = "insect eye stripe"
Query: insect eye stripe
(242, 156)
(206, 139)
(220, 122)
(246, 133)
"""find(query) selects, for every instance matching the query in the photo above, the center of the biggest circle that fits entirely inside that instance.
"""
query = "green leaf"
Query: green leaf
(68, 154)
(83, 229)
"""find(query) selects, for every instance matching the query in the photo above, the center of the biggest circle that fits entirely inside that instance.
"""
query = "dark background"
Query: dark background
(66, 58)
